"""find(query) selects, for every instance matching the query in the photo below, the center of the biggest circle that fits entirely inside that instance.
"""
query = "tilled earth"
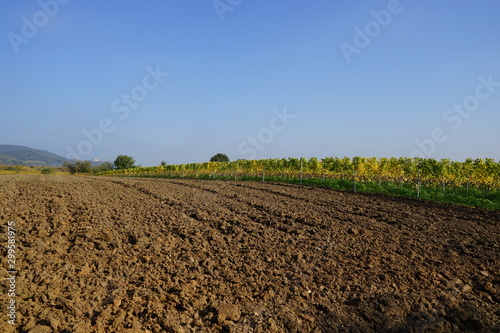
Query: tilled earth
(98, 254)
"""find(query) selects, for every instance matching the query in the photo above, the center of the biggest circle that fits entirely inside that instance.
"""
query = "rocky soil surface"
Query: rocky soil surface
(96, 254)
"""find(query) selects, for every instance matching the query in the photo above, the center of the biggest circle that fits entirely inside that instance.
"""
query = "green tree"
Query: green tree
(105, 166)
(163, 163)
(78, 166)
(47, 171)
(219, 158)
(70, 166)
(83, 166)
(124, 162)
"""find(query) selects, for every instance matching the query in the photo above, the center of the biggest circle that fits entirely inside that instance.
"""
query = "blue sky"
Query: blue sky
(252, 79)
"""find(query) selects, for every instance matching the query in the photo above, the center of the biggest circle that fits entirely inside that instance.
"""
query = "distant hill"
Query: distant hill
(21, 155)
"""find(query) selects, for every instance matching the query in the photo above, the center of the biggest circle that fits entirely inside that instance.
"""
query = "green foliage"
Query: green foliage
(103, 167)
(124, 162)
(77, 167)
(83, 167)
(70, 166)
(219, 158)
(163, 163)
(47, 171)
(473, 182)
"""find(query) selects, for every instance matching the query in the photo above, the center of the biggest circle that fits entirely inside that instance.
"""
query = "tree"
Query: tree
(83, 166)
(124, 162)
(77, 166)
(163, 163)
(105, 166)
(70, 166)
(219, 158)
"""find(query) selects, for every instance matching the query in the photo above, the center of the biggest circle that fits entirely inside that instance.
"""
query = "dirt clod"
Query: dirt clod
(97, 254)
(40, 329)
(227, 312)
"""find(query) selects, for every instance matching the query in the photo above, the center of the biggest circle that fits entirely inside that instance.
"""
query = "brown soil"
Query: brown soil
(149, 255)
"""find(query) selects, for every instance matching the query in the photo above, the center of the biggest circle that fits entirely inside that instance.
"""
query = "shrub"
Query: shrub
(47, 171)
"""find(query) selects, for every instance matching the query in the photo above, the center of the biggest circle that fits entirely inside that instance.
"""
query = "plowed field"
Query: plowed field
(96, 254)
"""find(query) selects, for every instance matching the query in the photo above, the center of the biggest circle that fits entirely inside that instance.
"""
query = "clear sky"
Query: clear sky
(182, 80)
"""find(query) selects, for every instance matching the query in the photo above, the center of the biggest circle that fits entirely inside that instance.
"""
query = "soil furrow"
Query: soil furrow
(167, 255)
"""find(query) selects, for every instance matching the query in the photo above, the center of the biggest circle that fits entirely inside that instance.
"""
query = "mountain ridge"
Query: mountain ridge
(22, 155)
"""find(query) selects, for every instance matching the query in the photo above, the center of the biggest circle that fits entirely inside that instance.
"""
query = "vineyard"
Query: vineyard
(473, 182)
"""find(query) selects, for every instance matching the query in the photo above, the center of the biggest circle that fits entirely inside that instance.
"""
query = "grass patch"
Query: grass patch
(473, 197)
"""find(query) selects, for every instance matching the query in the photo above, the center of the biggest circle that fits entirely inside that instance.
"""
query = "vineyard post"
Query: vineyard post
(418, 182)
(301, 170)
(354, 180)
